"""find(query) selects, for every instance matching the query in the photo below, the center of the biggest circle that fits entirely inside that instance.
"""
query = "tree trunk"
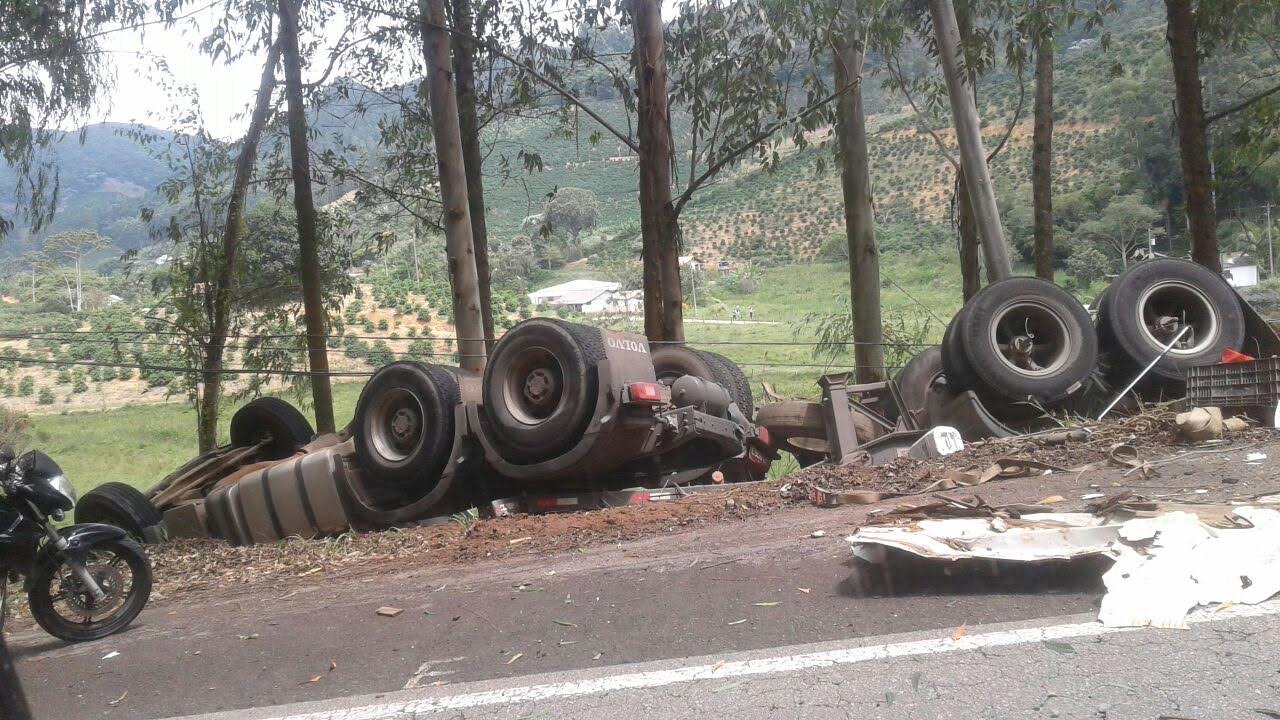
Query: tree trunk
(1042, 159)
(659, 226)
(232, 235)
(305, 207)
(458, 235)
(859, 221)
(970, 245)
(464, 73)
(973, 154)
(1197, 178)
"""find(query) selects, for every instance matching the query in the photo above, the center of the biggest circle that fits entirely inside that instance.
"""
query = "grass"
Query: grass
(137, 445)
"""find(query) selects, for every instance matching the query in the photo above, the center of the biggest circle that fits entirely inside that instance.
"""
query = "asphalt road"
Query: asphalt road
(1225, 666)
(683, 600)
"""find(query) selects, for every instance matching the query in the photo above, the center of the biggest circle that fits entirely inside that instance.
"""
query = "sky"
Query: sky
(143, 91)
(152, 63)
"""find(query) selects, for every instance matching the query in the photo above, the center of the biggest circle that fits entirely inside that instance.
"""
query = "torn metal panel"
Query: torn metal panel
(1165, 565)
(1030, 538)
(1183, 562)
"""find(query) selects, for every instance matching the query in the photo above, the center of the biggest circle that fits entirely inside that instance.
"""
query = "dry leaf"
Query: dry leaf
(719, 664)
(514, 658)
(312, 571)
(803, 590)
(766, 604)
(565, 623)
(1051, 500)
(248, 637)
(960, 631)
(389, 611)
(118, 700)
(738, 622)
(315, 679)
(333, 665)
(517, 541)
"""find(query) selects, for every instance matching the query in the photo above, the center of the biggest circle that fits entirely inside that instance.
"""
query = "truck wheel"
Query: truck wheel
(1024, 337)
(123, 506)
(404, 423)
(739, 386)
(670, 362)
(269, 417)
(955, 364)
(540, 387)
(1150, 303)
(914, 383)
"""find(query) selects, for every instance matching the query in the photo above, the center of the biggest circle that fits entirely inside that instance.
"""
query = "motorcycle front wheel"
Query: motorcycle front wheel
(67, 610)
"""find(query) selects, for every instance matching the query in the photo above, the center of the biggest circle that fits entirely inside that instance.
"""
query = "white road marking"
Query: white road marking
(762, 666)
(427, 670)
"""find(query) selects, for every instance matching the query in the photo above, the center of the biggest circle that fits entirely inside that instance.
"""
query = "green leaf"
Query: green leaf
(1059, 647)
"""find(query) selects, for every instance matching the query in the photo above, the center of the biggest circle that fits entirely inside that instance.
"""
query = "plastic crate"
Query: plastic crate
(1252, 383)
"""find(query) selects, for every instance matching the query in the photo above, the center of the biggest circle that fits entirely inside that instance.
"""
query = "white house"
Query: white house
(1240, 270)
(589, 296)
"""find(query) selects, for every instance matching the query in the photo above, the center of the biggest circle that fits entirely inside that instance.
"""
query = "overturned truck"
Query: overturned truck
(560, 406)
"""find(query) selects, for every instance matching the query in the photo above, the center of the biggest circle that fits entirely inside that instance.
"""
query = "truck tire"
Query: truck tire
(1147, 305)
(1023, 338)
(404, 427)
(670, 362)
(540, 386)
(955, 364)
(914, 383)
(274, 418)
(123, 506)
(739, 386)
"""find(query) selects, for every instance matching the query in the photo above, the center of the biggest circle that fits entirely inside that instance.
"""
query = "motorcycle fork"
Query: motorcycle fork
(78, 567)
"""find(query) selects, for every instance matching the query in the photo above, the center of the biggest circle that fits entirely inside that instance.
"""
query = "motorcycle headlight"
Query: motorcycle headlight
(63, 485)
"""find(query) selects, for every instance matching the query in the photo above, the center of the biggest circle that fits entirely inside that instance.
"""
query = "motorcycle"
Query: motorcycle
(83, 582)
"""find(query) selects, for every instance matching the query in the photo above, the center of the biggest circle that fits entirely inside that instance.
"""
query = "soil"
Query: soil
(191, 566)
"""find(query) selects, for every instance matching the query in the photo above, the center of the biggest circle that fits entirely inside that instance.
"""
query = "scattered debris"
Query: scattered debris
(1200, 424)
(113, 653)
(120, 699)
(389, 611)
(818, 534)
(1185, 563)
(516, 657)
(1255, 457)
(960, 631)
(1169, 557)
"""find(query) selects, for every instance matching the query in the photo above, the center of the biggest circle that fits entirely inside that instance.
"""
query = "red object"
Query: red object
(762, 432)
(649, 393)
(1231, 356)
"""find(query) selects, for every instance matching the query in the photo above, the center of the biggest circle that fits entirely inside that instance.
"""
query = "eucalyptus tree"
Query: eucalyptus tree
(1196, 31)
(52, 69)
(729, 69)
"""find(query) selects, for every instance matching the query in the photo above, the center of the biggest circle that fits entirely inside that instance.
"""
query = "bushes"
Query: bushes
(45, 397)
(26, 386)
(380, 354)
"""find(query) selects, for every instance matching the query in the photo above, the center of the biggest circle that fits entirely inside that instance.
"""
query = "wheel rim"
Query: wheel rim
(534, 386)
(399, 424)
(1030, 338)
(73, 603)
(1167, 307)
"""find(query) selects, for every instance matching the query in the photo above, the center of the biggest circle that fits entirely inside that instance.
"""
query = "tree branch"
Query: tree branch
(891, 63)
(1241, 105)
(737, 152)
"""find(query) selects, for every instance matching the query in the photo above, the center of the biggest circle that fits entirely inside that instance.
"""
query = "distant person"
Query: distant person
(751, 312)
(737, 313)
